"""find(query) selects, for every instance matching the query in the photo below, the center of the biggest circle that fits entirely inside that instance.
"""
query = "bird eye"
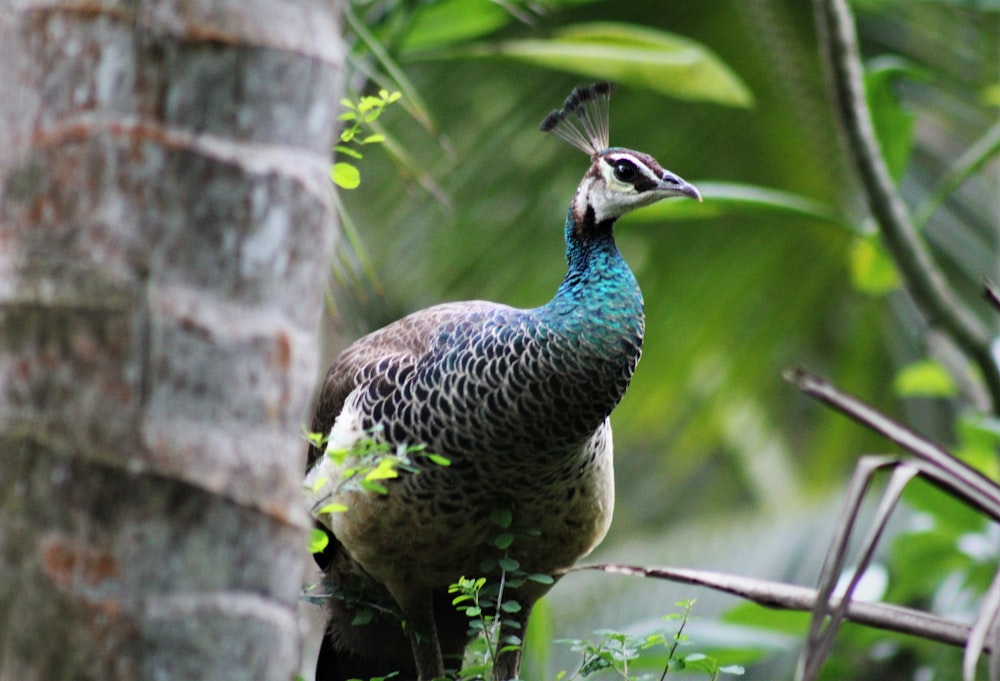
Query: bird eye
(625, 171)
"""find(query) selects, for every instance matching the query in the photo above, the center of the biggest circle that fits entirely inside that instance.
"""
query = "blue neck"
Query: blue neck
(599, 283)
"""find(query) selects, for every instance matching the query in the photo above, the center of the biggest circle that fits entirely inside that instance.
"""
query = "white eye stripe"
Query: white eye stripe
(639, 164)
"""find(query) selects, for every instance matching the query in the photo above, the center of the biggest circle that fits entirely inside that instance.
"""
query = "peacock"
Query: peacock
(515, 402)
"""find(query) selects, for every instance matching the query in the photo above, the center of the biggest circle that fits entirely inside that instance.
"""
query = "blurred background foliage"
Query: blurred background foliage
(720, 464)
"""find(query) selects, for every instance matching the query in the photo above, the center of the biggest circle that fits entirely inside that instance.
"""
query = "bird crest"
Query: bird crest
(584, 119)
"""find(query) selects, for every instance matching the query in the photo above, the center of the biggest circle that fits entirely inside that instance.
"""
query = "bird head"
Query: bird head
(618, 180)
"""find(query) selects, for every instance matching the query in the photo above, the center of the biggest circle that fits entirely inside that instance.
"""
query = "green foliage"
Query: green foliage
(893, 122)
(924, 378)
(730, 199)
(448, 22)
(628, 54)
(488, 603)
(619, 653)
(370, 462)
(358, 119)
(872, 270)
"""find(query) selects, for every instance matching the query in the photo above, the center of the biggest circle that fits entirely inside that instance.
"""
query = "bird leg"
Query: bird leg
(418, 613)
(512, 626)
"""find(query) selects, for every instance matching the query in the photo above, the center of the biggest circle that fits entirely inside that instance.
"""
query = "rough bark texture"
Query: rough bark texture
(165, 231)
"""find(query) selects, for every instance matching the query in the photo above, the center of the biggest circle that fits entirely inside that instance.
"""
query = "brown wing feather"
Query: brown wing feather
(405, 340)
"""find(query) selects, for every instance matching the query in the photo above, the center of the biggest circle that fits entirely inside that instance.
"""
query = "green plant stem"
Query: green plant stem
(926, 283)
(984, 148)
(677, 639)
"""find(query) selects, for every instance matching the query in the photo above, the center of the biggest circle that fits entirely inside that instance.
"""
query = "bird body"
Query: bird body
(517, 400)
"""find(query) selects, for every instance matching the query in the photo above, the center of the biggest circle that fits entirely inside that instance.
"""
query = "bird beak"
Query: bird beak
(678, 186)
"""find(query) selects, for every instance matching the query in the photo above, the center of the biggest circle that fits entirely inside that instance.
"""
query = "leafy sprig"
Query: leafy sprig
(358, 119)
(614, 651)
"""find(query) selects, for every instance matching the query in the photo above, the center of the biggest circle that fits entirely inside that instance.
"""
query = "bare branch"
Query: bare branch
(930, 290)
(781, 596)
(991, 294)
(945, 470)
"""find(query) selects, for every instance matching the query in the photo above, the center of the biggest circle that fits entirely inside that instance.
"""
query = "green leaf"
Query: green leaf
(893, 123)
(363, 616)
(541, 579)
(348, 151)
(510, 606)
(926, 378)
(990, 95)
(331, 508)
(451, 21)
(729, 198)
(504, 540)
(345, 175)
(502, 517)
(509, 564)
(872, 270)
(439, 460)
(385, 470)
(628, 54)
(978, 442)
(318, 540)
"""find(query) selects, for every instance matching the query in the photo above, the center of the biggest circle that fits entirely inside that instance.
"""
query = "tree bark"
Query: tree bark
(165, 233)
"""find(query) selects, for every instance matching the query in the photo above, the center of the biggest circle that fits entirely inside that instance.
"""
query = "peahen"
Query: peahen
(516, 400)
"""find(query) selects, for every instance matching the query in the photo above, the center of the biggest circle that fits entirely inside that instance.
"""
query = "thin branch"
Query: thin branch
(991, 294)
(981, 151)
(930, 290)
(781, 596)
(945, 471)
(821, 640)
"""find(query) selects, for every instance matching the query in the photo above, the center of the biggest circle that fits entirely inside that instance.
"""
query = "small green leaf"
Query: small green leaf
(510, 606)
(872, 270)
(385, 470)
(345, 175)
(439, 460)
(926, 378)
(504, 540)
(348, 151)
(331, 508)
(374, 487)
(990, 95)
(508, 564)
(502, 517)
(318, 540)
(541, 579)
(363, 616)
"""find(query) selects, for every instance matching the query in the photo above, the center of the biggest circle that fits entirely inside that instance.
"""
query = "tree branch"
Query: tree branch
(943, 470)
(779, 595)
(926, 283)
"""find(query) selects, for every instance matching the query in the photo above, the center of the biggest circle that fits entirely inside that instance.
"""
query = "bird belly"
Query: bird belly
(438, 524)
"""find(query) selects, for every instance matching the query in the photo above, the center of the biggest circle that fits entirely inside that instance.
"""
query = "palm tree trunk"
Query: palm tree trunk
(165, 232)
